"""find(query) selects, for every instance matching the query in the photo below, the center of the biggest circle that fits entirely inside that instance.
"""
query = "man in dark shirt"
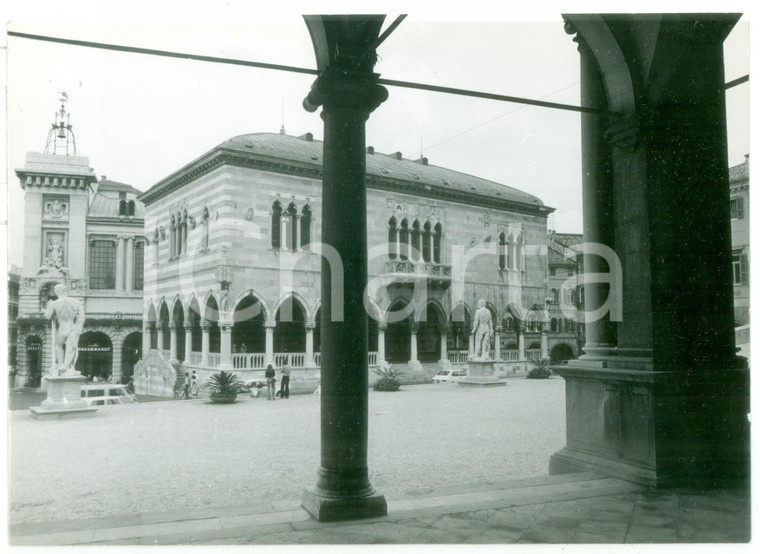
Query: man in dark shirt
(285, 382)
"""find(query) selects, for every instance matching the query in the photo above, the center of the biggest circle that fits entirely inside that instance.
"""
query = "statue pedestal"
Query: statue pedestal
(64, 399)
(482, 373)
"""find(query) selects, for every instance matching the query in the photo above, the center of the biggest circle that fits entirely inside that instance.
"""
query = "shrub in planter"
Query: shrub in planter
(541, 369)
(390, 379)
(223, 387)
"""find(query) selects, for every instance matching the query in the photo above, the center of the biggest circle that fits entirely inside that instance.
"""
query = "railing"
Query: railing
(318, 359)
(195, 358)
(510, 355)
(419, 268)
(458, 356)
(248, 361)
(533, 355)
(292, 359)
(372, 358)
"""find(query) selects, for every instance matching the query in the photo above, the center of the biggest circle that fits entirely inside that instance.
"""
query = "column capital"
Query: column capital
(206, 325)
(346, 89)
(414, 327)
(310, 326)
(226, 326)
(382, 326)
(270, 324)
(172, 326)
(188, 325)
(159, 325)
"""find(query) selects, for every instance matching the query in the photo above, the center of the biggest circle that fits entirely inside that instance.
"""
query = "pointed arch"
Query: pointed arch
(427, 230)
(437, 237)
(292, 239)
(403, 239)
(393, 238)
(210, 306)
(306, 217)
(276, 214)
(261, 302)
(416, 250)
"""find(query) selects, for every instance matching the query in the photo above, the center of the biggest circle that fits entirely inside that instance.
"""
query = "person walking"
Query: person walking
(285, 382)
(194, 388)
(186, 387)
(269, 374)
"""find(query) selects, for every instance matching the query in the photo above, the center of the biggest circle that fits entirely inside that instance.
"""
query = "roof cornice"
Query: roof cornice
(222, 156)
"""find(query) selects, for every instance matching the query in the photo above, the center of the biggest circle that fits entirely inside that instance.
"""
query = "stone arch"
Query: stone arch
(249, 316)
(374, 311)
(301, 300)
(95, 356)
(561, 352)
(460, 320)
(429, 331)
(290, 330)
(397, 332)
(263, 305)
(210, 299)
(194, 317)
(131, 352)
(613, 67)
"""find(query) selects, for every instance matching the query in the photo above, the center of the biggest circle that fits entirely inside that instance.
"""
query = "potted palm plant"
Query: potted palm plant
(541, 369)
(223, 387)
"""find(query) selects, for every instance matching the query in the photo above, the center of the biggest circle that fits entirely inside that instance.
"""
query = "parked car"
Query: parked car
(449, 376)
(101, 395)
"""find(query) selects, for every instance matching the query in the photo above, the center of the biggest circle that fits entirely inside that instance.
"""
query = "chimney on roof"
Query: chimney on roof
(423, 160)
(308, 137)
(397, 155)
(370, 149)
(103, 177)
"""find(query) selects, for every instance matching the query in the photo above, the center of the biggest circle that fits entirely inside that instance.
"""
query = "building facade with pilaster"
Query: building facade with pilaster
(232, 274)
(85, 233)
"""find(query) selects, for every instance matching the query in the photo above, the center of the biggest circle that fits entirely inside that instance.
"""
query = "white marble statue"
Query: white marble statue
(67, 315)
(482, 328)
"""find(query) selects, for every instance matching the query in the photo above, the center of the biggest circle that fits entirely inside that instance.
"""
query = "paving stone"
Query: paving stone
(440, 536)
(493, 536)
(602, 515)
(558, 521)
(592, 538)
(700, 530)
(553, 535)
(457, 524)
(510, 520)
(669, 521)
(650, 534)
(603, 527)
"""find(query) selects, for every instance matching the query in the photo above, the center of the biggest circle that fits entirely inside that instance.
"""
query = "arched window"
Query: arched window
(276, 219)
(502, 251)
(183, 236)
(156, 236)
(293, 225)
(553, 325)
(305, 226)
(172, 238)
(426, 242)
(519, 253)
(555, 296)
(415, 252)
(404, 240)
(509, 324)
(392, 236)
(437, 243)
(131, 208)
(204, 241)
(122, 207)
(510, 252)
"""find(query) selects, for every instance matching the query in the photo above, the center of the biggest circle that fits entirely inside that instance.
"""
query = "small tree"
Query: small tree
(541, 369)
(223, 386)
(390, 379)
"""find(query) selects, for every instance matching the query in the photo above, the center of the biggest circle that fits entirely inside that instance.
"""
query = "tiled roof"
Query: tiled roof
(739, 172)
(105, 206)
(568, 239)
(304, 155)
(107, 184)
(557, 258)
(380, 165)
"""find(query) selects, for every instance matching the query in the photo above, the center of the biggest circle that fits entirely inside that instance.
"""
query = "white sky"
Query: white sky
(139, 118)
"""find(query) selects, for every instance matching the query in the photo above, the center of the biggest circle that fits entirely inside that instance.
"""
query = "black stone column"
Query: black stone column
(348, 91)
(598, 207)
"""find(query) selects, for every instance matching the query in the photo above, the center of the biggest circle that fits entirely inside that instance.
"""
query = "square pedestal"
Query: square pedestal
(64, 399)
(656, 428)
(324, 508)
(482, 373)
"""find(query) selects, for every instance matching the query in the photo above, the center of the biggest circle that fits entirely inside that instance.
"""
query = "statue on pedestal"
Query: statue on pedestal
(67, 315)
(482, 328)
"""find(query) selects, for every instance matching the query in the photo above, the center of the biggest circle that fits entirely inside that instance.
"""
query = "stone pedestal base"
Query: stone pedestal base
(325, 508)
(656, 428)
(64, 399)
(482, 373)
(415, 365)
